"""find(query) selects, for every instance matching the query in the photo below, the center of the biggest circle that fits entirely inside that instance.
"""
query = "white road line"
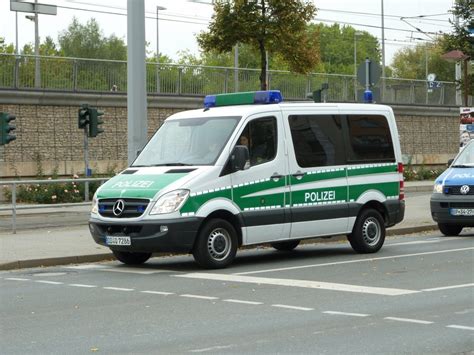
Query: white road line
(132, 271)
(118, 289)
(16, 279)
(355, 261)
(293, 307)
(49, 282)
(212, 348)
(200, 297)
(243, 302)
(447, 287)
(408, 320)
(299, 283)
(158, 293)
(459, 327)
(347, 314)
(86, 267)
(414, 242)
(82, 285)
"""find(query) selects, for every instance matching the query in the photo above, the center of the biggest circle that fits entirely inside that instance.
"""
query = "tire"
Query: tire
(450, 229)
(286, 246)
(130, 258)
(216, 244)
(368, 234)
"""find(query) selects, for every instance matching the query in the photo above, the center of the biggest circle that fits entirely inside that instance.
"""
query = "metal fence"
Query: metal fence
(96, 75)
(15, 183)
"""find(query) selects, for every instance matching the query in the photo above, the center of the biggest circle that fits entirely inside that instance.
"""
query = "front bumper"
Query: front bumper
(149, 236)
(442, 204)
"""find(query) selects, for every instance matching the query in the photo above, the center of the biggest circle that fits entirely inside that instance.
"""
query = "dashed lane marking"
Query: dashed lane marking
(299, 283)
(16, 279)
(292, 307)
(162, 293)
(408, 320)
(118, 268)
(200, 297)
(212, 348)
(49, 282)
(242, 302)
(447, 287)
(459, 327)
(347, 314)
(118, 289)
(82, 285)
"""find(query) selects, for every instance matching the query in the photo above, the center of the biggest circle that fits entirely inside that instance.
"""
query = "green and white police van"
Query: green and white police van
(250, 169)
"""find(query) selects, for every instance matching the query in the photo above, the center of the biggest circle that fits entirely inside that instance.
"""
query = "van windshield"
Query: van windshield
(190, 141)
(466, 157)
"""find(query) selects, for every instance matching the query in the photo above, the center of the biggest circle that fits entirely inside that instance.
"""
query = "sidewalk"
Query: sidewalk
(73, 243)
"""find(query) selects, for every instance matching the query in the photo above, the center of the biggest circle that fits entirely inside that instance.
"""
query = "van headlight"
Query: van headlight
(95, 205)
(170, 202)
(438, 189)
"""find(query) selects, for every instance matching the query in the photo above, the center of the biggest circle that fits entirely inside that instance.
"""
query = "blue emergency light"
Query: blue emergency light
(243, 98)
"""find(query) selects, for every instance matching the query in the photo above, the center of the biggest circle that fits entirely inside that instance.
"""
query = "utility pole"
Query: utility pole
(37, 61)
(383, 55)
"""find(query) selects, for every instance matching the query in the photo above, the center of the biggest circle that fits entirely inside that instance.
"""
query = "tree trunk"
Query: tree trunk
(263, 66)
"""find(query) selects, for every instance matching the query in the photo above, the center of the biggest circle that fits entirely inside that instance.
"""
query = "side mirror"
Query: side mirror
(238, 158)
(450, 161)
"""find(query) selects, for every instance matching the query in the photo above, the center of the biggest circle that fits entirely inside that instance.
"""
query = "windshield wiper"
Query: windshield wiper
(172, 164)
(462, 166)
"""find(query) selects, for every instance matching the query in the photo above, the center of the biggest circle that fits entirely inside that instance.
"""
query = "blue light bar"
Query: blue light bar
(243, 98)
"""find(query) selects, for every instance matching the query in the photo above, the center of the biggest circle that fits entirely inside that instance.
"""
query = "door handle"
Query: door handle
(299, 175)
(276, 176)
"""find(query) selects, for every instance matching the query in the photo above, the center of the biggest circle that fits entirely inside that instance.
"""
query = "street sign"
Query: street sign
(374, 73)
(32, 7)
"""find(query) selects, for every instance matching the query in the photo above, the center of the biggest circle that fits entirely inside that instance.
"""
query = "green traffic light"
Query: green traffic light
(6, 128)
(95, 122)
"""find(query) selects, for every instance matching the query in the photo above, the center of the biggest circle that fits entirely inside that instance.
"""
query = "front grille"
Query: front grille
(456, 190)
(116, 230)
(133, 207)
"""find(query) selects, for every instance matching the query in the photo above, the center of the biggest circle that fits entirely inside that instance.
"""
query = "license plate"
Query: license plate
(118, 240)
(462, 211)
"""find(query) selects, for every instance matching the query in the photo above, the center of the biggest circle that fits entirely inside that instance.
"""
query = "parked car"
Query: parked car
(452, 201)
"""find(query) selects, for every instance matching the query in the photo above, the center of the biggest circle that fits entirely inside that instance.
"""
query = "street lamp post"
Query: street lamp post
(356, 33)
(158, 49)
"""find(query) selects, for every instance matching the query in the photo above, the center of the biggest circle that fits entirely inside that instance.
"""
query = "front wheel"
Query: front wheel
(130, 258)
(449, 229)
(368, 234)
(286, 246)
(216, 244)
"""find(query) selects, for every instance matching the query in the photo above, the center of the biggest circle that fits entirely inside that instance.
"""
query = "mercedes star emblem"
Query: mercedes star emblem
(464, 189)
(118, 208)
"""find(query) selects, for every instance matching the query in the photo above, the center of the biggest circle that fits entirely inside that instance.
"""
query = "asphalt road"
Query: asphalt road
(414, 296)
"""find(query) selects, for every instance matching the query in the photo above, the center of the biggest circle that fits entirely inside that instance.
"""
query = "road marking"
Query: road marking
(459, 327)
(447, 287)
(347, 314)
(86, 267)
(82, 285)
(200, 297)
(243, 302)
(293, 307)
(299, 283)
(124, 269)
(355, 261)
(408, 320)
(219, 347)
(118, 289)
(158, 293)
(16, 279)
(49, 282)
(414, 242)
(132, 271)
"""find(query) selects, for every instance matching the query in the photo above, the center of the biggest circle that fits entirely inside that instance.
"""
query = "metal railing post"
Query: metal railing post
(74, 75)
(226, 80)
(180, 78)
(16, 73)
(14, 208)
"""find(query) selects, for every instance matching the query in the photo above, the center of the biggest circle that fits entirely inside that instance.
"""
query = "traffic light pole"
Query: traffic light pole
(86, 164)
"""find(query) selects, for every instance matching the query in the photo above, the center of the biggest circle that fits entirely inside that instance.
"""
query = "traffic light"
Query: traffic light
(83, 117)
(95, 122)
(6, 128)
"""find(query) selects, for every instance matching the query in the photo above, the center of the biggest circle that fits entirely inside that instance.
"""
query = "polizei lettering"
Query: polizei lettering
(141, 184)
(319, 196)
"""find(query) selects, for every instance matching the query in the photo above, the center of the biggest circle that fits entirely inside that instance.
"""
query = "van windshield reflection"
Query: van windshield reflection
(189, 141)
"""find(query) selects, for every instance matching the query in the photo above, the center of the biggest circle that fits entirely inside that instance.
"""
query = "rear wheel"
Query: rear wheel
(368, 234)
(450, 229)
(286, 246)
(130, 258)
(216, 245)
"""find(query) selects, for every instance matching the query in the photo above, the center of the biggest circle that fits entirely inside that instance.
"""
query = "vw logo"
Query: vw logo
(118, 208)
(464, 189)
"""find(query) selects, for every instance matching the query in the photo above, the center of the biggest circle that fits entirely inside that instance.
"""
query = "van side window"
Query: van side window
(317, 140)
(260, 136)
(369, 139)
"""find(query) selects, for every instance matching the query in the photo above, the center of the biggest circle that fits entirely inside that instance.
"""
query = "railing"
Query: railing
(96, 75)
(15, 183)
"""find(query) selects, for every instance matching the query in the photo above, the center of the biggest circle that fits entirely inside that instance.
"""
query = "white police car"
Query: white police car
(452, 201)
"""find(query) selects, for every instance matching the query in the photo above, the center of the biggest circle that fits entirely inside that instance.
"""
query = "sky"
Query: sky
(184, 19)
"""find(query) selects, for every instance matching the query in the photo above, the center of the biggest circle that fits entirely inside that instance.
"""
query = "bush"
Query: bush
(421, 173)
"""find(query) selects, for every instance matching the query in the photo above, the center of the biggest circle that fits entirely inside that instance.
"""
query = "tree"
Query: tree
(273, 25)
(411, 63)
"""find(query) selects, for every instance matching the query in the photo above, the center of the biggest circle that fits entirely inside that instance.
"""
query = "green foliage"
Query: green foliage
(277, 26)
(420, 173)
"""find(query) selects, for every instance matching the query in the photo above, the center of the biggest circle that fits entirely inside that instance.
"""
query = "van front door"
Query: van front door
(318, 175)
(259, 189)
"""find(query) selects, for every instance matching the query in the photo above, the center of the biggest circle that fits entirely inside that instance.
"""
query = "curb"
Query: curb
(64, 260)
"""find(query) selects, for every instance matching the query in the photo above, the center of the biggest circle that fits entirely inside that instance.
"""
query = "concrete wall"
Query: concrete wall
(47, 131)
